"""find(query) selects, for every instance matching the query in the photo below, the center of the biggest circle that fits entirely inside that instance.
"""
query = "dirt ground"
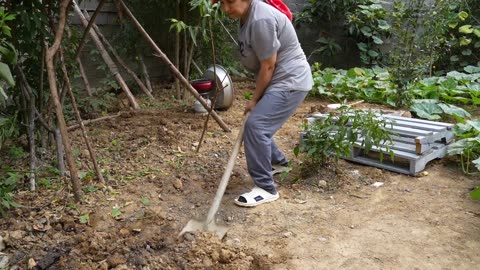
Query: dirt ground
(333, 218)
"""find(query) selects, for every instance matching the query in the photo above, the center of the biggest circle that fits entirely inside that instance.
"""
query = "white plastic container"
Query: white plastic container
(198, 107)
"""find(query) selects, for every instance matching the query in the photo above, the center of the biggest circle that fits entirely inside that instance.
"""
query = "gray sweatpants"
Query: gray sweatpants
(270, 113)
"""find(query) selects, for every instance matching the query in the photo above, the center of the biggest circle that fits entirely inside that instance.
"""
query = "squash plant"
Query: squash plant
(468, 148)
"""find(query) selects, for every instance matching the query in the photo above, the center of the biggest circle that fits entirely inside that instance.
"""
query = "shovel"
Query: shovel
(209, 224)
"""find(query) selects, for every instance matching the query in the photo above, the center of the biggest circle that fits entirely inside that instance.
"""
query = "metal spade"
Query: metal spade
(209, 223)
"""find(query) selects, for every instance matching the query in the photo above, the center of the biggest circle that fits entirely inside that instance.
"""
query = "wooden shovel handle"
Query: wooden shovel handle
(226, 174)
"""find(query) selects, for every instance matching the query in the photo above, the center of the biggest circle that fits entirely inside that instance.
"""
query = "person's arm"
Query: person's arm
(267, 67)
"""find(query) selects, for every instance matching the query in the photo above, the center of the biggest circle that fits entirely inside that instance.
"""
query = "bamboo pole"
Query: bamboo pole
(119, 59)
(83, 74)
(49, 57)
(88, 27)
(106, 57)
(86, 122)
(146, 76)
(79, 118)
(172, 68)
(177, 52)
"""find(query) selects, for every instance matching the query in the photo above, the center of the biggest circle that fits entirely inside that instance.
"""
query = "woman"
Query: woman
(269, 47)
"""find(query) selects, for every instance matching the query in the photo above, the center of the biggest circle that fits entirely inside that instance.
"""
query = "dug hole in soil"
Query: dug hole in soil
(326, 218)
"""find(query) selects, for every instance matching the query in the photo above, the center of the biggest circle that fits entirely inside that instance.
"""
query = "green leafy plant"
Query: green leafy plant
(373, 85)
(84, 219)
(418, 31)
(432, 109)
(8, 127)
(335, 134)
(7, 186)
(463, 37)
(468, 147)
(248, 95)
(368, 23)
(116, 212)
(328, 47)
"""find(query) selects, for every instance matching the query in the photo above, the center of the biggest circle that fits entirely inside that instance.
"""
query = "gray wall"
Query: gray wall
(108, 22)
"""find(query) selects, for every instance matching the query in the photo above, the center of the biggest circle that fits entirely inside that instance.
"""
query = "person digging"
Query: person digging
(269, 47)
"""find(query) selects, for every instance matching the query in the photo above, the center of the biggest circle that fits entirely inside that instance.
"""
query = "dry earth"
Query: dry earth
(331, 218)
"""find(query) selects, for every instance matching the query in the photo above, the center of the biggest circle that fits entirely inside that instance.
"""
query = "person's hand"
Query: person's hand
(249, 106)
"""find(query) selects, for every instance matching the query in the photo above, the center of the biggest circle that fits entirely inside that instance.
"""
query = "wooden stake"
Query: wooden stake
(146, 77)
(84, 77)
(49, 57)
(108, 60)
(86, 122)
(119, 59)
(172, 68)
(79, 118)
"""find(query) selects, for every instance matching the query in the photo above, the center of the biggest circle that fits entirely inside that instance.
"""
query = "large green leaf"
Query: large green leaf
(463, 15)
(382, 24)
(472, 69)
(466, 29)
(458, 147)
(5, 74)
(452, 109)
(9, 53)
(427, 110)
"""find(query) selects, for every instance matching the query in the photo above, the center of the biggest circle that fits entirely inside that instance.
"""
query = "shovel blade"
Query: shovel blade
(196, 225)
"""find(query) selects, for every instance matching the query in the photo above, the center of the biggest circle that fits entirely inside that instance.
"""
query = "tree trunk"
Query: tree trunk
(108, 60)
(51, 51)
(170, 65)
(60, 152)
(29, 101)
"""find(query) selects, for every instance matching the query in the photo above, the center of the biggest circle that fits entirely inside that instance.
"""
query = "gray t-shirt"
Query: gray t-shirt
(266, 31)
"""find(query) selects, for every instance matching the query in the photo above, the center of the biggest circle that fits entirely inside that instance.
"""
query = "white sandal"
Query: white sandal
(256, 197)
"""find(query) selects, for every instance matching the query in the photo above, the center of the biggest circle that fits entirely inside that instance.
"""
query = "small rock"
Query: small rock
(138, 260)
(116, 260)
(85, 153)
(124, 232)
(377, 184)
(17, 235)
(121, 267)
(2, 244)
(322, 184)
(215, 256)
(207, 262)
(225, 256)
(3, 262)
(322, 239)
(287, 234)
(31, 263)
(177, 183)
(352, 227)
(189, 236)
(295, 187)
(422, 174)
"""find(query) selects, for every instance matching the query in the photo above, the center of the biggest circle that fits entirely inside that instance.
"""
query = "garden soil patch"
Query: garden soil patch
(326, 218)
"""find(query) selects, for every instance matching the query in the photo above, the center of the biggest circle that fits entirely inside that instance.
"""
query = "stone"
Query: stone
(177, 183)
